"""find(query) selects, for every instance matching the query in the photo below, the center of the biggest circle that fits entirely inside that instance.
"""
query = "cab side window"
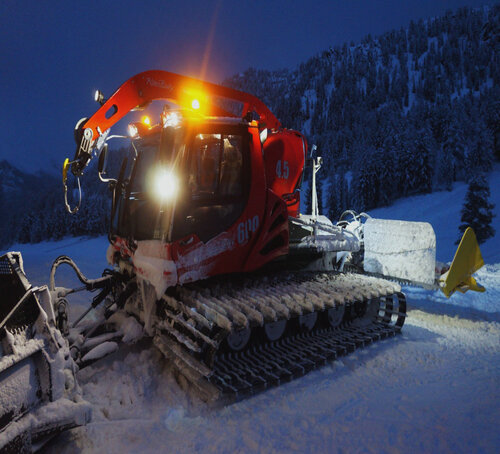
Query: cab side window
(231, 181)
(215, 169)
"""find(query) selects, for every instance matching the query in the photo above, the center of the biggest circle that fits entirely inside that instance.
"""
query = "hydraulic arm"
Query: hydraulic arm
(140, 90)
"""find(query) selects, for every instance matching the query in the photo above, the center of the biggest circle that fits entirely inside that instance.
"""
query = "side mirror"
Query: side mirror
(263, 136)
(101, 167)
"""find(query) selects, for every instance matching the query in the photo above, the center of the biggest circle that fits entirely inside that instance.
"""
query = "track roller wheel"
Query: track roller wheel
(307, 321)
(359, 309)
(237, 340)
(335, 315)
(372, 308)
(275, 330)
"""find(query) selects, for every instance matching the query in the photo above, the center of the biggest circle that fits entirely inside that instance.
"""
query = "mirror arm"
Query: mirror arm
(107, 180)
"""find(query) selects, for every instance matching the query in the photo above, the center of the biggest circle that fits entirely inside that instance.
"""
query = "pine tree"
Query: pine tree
(385, 169)
(345, 197)
(477, 211)
(445, 169)
(25, 231)
(491, 114)
(3, 226)
(424, 154)
(454, 149)
(480, 154)
(366, 183)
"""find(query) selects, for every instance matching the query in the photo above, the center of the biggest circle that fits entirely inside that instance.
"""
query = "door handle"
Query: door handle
(186, 242)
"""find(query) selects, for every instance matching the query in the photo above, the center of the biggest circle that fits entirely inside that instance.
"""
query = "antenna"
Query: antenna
(316, 165)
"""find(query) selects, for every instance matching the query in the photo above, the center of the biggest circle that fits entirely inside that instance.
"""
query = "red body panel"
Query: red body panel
(230, 251)
(284, 156)
(259, 235)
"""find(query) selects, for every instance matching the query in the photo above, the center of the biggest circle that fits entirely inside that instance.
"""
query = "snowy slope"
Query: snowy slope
(442, 210)
(435, 388)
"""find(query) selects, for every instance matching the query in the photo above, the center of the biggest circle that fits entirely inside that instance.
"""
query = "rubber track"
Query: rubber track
(237, 375)
(240, 375)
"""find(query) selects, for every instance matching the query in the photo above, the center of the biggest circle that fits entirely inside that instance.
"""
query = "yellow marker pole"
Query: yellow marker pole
(467, 261)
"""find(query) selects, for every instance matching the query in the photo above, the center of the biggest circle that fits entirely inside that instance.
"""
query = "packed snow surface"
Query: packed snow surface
(435, 388)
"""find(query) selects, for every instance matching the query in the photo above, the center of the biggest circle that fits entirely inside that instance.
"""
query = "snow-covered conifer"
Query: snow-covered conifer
(477, 212)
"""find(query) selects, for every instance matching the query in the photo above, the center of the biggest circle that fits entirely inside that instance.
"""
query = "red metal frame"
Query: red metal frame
(284, 157)
(151, 85)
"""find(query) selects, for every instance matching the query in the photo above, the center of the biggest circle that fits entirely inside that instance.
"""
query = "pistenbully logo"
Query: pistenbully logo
(158, 83)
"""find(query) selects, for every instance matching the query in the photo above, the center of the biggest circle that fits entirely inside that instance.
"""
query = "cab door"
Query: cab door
(216, 176)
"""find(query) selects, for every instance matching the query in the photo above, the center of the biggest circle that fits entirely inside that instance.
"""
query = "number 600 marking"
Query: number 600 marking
(245, 228)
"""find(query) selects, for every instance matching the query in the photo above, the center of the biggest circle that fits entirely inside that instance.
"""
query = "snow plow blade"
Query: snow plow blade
(400, 250)
(38, 391)
(467, 261)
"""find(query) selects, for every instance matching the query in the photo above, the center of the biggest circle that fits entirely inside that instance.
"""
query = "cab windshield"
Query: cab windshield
(160, 149)
(140, 211)
(208, 182)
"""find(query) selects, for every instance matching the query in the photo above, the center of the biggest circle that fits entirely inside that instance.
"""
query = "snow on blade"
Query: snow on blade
(400, 249)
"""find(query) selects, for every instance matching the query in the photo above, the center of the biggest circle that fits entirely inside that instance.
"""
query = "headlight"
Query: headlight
(132, 130)
(165, 184)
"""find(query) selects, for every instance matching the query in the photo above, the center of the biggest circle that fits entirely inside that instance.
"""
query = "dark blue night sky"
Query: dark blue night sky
(54, 54)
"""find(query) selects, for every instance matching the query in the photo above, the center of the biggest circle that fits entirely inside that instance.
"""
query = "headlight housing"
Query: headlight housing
(165, 184)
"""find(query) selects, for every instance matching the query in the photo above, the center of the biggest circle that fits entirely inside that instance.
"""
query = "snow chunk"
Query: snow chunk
(152, 264)
(104, 349)
(130, 328)
(177, 419)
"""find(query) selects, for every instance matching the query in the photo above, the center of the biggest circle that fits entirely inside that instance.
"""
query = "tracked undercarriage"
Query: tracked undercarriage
(234, 338)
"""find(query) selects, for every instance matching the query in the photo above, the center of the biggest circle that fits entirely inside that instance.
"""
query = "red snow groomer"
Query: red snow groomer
(207, 192)
(211, 256)
(210, 251)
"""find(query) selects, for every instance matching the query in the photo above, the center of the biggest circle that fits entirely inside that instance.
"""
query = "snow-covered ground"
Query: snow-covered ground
(435, 388)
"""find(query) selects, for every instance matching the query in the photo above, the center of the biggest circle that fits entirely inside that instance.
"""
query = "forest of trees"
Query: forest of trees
(407, 112)
(35, 210)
